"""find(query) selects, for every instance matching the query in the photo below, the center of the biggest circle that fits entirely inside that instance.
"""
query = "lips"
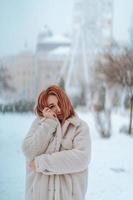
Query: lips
(60, 116)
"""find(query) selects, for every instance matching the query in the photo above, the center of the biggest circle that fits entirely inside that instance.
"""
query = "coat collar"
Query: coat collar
(75, 120)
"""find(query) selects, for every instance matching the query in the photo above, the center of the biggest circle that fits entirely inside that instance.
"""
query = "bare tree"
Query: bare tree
(5, 78)
(117, 70)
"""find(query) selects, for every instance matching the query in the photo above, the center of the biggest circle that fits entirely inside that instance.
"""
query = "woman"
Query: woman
(57, 150)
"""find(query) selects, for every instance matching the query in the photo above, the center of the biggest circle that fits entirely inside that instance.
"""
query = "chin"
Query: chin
(60, 119)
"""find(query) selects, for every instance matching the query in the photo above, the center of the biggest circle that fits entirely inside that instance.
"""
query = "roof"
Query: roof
(56, 39)
(60, 51)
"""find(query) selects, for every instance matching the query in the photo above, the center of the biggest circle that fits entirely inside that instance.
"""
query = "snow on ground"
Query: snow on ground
(111, 168)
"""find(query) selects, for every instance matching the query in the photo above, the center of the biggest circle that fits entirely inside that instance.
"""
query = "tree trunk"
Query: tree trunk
(131, 115)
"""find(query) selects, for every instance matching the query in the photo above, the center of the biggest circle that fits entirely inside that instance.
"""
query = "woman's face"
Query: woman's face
(53, 104)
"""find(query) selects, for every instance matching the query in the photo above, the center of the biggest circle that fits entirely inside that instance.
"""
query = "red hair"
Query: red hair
(63, 101)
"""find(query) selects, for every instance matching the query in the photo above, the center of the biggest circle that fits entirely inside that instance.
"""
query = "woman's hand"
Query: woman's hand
(32, 165)
(47, 112)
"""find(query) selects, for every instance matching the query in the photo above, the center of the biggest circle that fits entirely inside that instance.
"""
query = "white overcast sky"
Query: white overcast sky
(21, 20)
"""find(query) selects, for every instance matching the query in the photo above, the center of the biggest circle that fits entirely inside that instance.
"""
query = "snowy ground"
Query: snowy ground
(111, 168)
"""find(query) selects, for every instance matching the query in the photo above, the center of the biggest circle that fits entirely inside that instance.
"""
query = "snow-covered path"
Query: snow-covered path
(111, 168)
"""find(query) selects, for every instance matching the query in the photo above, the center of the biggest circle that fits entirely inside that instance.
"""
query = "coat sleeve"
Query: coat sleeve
(67, 161)
(38, 136)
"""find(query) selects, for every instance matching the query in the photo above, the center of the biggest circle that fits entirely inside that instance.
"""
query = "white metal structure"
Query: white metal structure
(92, 31)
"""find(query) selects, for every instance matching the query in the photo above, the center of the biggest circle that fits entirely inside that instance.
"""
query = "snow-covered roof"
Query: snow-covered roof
(56, 39)
(60, 51)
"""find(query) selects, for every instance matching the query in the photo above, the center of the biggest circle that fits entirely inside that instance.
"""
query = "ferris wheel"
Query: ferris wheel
(92, 31)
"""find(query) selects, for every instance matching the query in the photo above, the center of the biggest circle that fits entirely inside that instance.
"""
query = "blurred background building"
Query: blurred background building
(58, 57)
(31, 72)
(67, 59)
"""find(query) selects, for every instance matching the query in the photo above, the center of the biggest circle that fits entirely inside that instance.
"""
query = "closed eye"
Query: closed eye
(51, 106)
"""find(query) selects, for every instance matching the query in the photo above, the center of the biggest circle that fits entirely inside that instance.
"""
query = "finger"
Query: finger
(48, 111)
(54, 114)
(45, 109)
(51, 112)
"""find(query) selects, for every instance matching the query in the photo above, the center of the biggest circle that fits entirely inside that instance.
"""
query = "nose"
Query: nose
(58, 109)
